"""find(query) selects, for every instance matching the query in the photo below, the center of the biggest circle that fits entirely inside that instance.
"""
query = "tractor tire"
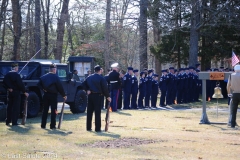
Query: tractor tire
(80, 102)
(33, 105)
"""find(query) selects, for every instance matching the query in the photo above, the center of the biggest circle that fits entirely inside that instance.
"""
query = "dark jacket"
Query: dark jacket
(12, 80)
(51, 83)
(96, 84)
(114, 80)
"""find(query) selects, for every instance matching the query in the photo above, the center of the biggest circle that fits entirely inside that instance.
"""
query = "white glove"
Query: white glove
(229, 95)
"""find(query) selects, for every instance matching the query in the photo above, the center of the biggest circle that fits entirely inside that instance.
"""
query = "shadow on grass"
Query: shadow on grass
(21, 129)
(107, 134)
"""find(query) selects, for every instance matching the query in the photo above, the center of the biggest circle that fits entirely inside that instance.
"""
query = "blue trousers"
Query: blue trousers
(134, 100)
(147, 98)
(126, 100)
(140, 99)
(114, 97)
(163, 98)
(154, 100)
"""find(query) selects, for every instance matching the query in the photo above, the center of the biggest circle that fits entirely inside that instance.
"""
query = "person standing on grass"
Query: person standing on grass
(51, 85)
(134, 90)
(234, 88)
(96, 86)
(155, 91)
(114, 79)
(15, 87)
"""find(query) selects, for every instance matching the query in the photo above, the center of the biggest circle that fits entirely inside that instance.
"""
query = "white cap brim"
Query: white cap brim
(114, 65)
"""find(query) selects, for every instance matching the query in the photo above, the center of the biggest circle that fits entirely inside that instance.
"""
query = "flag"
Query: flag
(235, 59)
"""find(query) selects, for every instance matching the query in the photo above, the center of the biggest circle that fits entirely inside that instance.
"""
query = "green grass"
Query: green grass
(176, 134)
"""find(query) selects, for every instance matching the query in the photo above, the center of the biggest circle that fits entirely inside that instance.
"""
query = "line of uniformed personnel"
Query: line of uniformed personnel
(175, 87)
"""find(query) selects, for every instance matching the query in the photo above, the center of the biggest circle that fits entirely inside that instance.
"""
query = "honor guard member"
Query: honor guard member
(155, 91)
(186, 89)
(51, 85)
(127, 88)
(134, 89)
(142, 89)
(15, 87)
(198, 85)
(95, 85)
(233, 88)
(175, 86)
(163, 87)
(191, 84)
(106, 77)
(75, 75)
(198, 66)
(170, 86)
(180, 86)
(148, 88)
(120, 97)
(114, 78)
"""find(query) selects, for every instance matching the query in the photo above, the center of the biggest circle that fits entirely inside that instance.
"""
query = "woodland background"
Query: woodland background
(138, 33)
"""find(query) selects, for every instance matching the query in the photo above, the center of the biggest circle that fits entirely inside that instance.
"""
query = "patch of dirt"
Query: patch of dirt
(120, 143)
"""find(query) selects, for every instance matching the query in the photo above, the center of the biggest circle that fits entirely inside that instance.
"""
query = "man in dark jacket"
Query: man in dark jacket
(114, 79)
(163, 87)
(134, 90)
(15, 86)
(51, 85)
(95, 85)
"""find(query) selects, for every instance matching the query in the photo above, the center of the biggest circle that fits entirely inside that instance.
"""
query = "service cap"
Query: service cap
(114, 65)
(130, 68)
(53, 66)
(97, 68)
(135, 70)
(237, 68)
(14, 65)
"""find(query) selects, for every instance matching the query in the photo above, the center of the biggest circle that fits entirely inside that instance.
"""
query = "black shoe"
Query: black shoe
(89, 130)
(53, 128)
(98, 131)
(43, 127)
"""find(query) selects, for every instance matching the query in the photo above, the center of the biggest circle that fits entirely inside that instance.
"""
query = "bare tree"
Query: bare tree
(194, 33)
(17, 27)
(107, 35)
(143, 34)
(46, 19)
(3, 20)
(37, 33)
(60, 30)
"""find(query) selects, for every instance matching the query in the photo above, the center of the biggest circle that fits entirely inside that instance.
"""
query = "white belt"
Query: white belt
(113, 81)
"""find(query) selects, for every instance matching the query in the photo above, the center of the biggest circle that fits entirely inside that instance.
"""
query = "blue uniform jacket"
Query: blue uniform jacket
(134, 84)
(127, 83)
(163, 83)
(149, 84)
(155, 87)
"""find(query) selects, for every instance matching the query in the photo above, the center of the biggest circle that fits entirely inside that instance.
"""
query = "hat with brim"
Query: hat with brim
(14, 65)
(237, 68)
(114, 65)
(53, 66)
(97, 68)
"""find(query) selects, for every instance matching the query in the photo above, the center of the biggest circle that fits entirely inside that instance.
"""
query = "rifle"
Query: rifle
(107, 117)
(24, 117)
(61, 115)
(30, 60)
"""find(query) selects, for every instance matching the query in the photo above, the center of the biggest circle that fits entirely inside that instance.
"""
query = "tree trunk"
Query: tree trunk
(143, 34)
(60, 30)
(2, 20)
(45, 26)
(107, 35)
(194, 33)
(37, 33)
(17, 26)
